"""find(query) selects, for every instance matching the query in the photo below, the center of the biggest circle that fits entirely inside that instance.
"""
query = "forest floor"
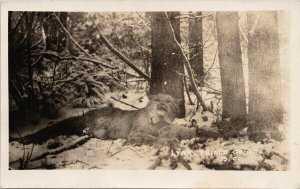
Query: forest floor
(212, 154)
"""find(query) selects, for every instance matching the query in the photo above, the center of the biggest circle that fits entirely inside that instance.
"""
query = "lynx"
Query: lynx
(144, 126)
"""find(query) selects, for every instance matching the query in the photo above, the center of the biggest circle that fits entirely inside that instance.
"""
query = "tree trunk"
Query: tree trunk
(167, 70)
(265, 105)
(196, 46)
(230, 59)
(55, 37)
(73, 16)
(29, 26)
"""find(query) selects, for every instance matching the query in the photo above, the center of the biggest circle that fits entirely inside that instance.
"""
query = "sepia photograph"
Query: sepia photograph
(204, 90)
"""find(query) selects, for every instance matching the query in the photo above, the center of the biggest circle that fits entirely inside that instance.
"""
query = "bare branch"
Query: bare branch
(187, 16)
(211, 64)
(71, 37)
(176, 45)
(119, 54)
(125, 103)
(98, 62)
(58, 150)
(18, 23)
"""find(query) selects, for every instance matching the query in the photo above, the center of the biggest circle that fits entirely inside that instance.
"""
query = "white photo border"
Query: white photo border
(147, 178)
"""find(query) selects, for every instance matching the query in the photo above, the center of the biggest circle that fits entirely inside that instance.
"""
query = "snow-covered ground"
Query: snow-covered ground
(238, 153)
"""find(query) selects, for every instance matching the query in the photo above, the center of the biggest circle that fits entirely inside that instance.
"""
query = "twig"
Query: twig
(58, 150)
(110, 144)
(98, 62)
(149, 29)
(119, 54)
(209, 36)
(71, 37)
(37, 43)
(18, 23)
(125, 103)
(176, 45)
(135, 151)
(184, 163)
(181, 159)
(187, 16)
(210, 44)
(117, 152)
(126, 149)
(37, 61)
(187, 91)
(137, 80)
(209, 87)
(160, 158)
(211, 64)
(243, 34)
(158, 162)
(29, 155)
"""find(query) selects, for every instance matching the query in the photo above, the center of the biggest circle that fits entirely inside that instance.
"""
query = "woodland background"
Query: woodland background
(231, 64)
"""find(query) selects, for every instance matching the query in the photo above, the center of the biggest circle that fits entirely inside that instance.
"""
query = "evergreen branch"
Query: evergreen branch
(119, 54)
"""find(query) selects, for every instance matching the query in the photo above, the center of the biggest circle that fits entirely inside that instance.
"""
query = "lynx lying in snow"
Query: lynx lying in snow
(145, 126)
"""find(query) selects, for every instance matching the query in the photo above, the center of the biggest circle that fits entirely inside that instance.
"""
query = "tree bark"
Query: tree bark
(230, 59)
(176, 45)
(265, 104)
(55, 36)
(167, 69)
(29, 23)
(196, 46)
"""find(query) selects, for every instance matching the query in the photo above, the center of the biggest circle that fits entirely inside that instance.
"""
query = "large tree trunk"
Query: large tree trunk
(167, 70)
(196, 46)
(232, 78)
(265, 105)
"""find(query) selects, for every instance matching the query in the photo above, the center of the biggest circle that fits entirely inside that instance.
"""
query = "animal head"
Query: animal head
(163, 108)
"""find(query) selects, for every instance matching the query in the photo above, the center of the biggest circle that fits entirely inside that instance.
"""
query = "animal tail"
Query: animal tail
(70, 126)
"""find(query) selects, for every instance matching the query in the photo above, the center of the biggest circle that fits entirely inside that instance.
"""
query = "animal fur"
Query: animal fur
(144, 126)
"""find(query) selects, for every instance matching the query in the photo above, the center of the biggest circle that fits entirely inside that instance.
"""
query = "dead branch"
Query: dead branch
(176, 45)
(158, 162)
(184, 163)
(211, 64)
(119, 54)
(187, 16)
(127, 148)
(160, 158)
(206, 85)
(137, 80)
(187, 91)
(97, 62)
(37, 43)
(58, 150)
(18, 23)
(148, 28)
(125, 103)
(71, 37)
(209, 36)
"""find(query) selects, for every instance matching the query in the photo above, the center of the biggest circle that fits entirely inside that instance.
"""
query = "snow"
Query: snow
(113, 154)
(235, 153)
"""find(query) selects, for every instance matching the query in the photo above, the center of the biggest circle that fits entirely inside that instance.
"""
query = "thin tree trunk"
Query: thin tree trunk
(29, 22)
(196, 46)
(230, 59)
(176, 45)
